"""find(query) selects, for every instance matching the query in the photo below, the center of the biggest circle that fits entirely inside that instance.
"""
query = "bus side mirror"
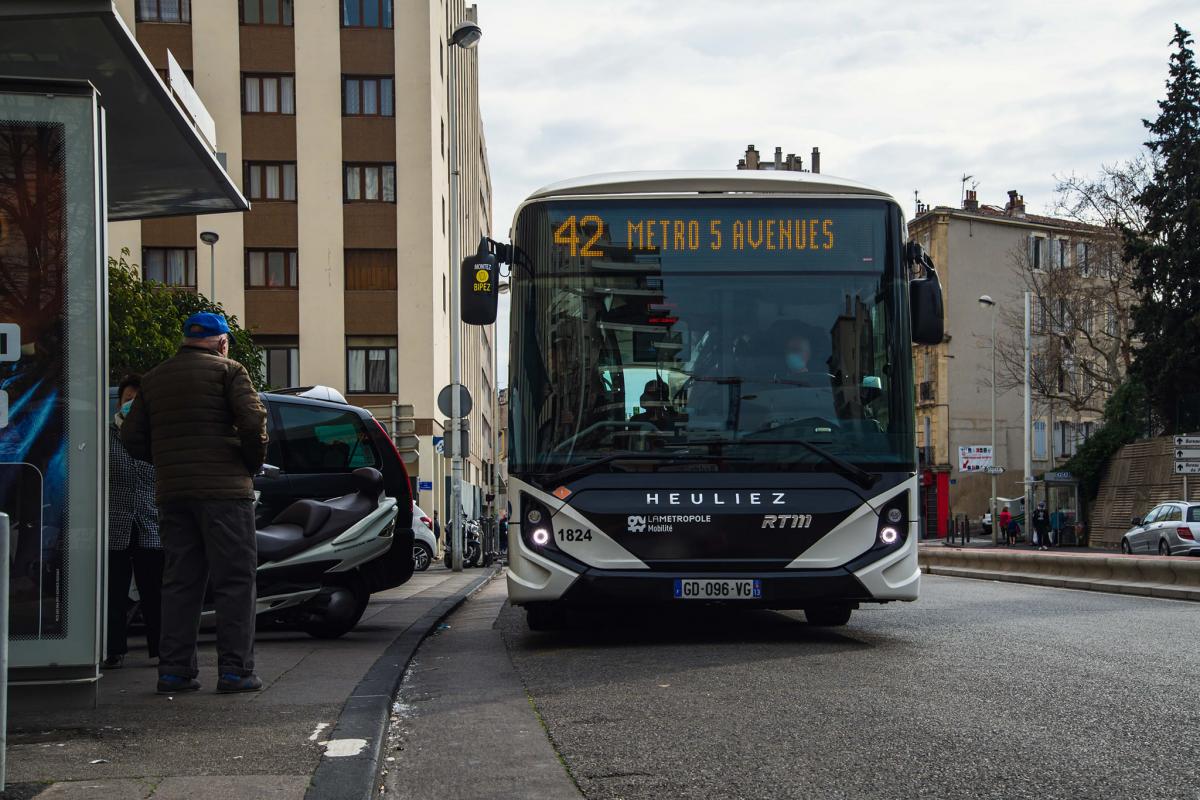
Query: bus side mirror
(925, 299)
(479, 281)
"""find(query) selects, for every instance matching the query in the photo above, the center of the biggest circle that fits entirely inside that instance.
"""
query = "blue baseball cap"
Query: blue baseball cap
(203, 324)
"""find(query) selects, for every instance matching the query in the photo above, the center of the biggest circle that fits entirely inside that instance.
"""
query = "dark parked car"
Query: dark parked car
(317, 440)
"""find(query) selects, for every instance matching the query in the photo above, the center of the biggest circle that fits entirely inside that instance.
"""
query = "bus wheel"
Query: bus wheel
(827, 616)
(545, 616)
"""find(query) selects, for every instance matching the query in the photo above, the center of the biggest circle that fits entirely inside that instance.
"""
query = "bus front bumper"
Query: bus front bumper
(533, 578)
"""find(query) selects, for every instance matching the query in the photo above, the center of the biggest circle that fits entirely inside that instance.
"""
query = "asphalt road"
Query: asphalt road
(979, 689)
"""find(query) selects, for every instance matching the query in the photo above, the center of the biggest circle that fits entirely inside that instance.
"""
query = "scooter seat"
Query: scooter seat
(309, 515)
(277, 542)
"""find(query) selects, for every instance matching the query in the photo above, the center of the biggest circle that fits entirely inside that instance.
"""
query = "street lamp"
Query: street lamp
(211, 238)
(466, 35)
(988, 303)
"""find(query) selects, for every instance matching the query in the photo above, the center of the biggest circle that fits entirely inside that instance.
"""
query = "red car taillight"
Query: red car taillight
(1185, 532)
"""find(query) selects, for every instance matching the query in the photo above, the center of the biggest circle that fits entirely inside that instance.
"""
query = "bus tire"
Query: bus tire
(827, 616)
(545, 617)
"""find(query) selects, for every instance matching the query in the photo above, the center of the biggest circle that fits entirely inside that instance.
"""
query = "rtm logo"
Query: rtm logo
(782, 521)
(636, 524)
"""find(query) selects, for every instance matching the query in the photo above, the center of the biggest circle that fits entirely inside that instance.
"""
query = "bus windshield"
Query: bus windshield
(719, 334)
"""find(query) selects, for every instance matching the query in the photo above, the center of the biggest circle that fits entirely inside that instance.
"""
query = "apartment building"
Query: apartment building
(333, 116)
(1079, 321)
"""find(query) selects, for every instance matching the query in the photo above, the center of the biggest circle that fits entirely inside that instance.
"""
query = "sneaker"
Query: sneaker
(230, 682)
(177, 684)
(113, 662)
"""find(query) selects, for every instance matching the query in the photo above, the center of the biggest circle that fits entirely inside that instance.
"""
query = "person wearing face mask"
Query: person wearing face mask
(656, 406)
(199, 420)
(134, 549)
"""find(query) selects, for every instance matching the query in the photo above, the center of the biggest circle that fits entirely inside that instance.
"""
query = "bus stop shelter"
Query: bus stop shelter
(89, 133)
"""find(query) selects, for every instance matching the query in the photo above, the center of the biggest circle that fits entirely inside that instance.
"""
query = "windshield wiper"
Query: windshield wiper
(578, 470)
(857, 474)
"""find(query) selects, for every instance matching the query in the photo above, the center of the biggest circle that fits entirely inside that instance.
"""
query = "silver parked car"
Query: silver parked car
(1170, 529)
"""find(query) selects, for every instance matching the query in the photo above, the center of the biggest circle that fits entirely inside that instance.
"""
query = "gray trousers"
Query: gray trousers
(204, 538)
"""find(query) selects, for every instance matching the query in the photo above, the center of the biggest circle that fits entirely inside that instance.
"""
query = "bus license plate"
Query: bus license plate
(705, 589)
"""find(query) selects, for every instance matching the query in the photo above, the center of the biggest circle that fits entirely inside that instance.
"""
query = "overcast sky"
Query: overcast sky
(901, 95)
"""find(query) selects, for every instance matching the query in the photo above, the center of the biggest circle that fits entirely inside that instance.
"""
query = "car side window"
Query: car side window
(318, 439)
(1172, 514)
(1152, 516)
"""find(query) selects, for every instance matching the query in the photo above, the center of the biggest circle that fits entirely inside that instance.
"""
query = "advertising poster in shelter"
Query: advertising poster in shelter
(33, 357)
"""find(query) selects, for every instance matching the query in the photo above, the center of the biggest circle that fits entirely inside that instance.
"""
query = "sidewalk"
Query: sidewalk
(464, 726)
(136, 745)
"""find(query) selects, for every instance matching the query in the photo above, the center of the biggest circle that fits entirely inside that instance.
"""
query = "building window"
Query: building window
(281, 362)
(366, 13)
(371, 364)
(268, 94)
(267, 12)
(370, 96)
(173, 266)
(271, 181)
(1082, 251)
(370, 270)
(370, 183)
(1039, 440)
(164, 11)
(271, 269)
(1062, 253)
(1036, 254)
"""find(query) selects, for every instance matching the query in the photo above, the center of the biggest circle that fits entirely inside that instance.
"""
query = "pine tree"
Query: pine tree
(1166, 254)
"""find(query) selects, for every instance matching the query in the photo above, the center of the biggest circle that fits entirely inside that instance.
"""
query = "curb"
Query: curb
(367, 710)
(1170, 578)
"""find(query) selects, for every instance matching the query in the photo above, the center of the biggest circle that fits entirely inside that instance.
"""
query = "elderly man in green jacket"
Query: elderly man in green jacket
(198, 419)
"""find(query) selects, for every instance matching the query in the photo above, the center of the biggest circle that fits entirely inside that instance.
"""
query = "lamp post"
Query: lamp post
(211, 238)
(466, 35)
(501, 288)
(988, 303)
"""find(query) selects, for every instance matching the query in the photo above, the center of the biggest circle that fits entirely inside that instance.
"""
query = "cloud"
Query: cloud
(902, 96)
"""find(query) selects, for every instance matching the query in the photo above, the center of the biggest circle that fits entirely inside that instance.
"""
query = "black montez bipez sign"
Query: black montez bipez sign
(480, 276)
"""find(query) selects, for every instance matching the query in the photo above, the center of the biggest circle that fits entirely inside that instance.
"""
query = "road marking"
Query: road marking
(341, 748)
(317, 731)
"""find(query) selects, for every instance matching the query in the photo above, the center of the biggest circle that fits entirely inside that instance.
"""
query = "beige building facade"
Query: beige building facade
(333, 118)
(1002, 252)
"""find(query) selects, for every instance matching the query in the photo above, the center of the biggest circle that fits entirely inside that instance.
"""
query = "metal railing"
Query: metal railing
(4, 568)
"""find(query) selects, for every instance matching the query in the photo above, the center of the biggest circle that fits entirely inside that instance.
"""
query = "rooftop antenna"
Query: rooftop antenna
(963, 194)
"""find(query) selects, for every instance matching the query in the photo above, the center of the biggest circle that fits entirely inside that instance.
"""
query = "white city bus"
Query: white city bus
(711, 394)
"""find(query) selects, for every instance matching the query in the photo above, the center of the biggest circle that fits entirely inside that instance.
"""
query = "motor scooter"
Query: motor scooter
(319, 561)
(472, 546)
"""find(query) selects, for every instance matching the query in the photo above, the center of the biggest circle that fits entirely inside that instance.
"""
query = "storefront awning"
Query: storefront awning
(160, 163)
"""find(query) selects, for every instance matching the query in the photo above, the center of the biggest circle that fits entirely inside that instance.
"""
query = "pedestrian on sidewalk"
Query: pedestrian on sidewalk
(199, 420)
(134, 549)
(503, 525)
(1041, 527)
(1008, 525)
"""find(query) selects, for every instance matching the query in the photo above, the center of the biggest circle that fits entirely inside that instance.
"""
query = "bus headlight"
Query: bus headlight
(537, 528)
(893, 523)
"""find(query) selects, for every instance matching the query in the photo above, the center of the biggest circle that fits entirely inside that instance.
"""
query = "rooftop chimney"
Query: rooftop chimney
(751, 157)
(1016, 204)
(816, 160)
(972, 201)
